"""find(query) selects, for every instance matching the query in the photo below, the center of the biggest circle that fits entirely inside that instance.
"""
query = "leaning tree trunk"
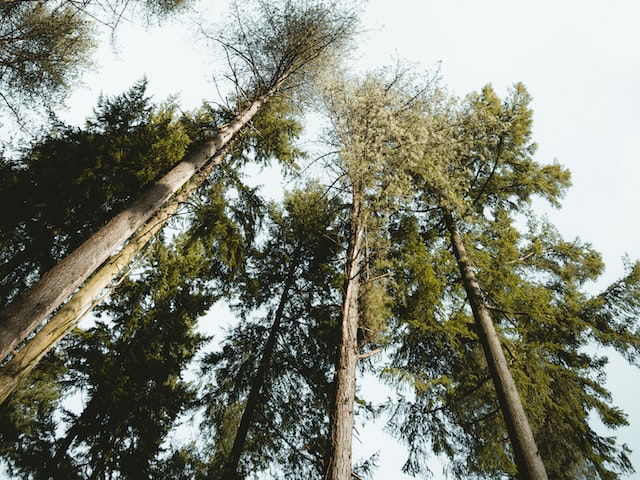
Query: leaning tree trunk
(33, 306)
(83, 300)
(231, 466)
(342, 418)
(525, 450)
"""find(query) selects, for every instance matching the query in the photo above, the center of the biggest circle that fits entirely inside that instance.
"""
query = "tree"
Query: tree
(125, 145)
(46, 44)
(130, 367)
(269, 380)
(67, 186)
(524, 286)
(526, 452)
(276, 128)
(298, 50)
(376, 133)
(506, 151)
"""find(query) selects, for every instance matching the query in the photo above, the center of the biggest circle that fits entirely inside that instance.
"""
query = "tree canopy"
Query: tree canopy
(420, 221)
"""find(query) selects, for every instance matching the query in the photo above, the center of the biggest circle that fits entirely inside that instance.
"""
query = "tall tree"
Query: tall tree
(130, 367)
(500, 159)
(270, 378)
(522, 286)
(126, 144)
(275, 50)
(526, 454)
(376, 130)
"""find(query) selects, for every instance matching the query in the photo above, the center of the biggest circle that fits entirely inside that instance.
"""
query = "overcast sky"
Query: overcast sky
(578, 59)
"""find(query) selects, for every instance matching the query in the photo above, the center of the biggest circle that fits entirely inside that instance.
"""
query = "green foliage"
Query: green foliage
(532, 282)
(498, 164)
(28, 421)
(287, 436)
(43, 48)
(70, 184)
(46, 44)
(379, 133)
(284, 40)
(613, 314)
(130, 371)
(536, 299)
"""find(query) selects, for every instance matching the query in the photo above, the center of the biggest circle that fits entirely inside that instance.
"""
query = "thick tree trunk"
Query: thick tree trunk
(32, 307)
(84, 299)
(231, 467)
(525, 450)
(342, 418)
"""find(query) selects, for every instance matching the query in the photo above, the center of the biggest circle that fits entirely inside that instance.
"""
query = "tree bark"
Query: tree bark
(231, 467)
(83, 300)
(342, 418)
(32, 307)
(525, 450)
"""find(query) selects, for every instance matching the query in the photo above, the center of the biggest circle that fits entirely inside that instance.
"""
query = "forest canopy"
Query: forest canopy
(162, 317)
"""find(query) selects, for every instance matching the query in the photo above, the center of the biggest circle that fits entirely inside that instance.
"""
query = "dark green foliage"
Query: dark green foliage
(288, 429)
(131, 367)
(28, 421)
(70, 184)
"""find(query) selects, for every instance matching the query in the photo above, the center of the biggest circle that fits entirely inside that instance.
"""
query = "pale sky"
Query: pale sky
(578, 59)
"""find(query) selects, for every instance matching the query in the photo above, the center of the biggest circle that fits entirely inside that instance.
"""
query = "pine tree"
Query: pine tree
(46, 44)
(376, 132)
(130, 366)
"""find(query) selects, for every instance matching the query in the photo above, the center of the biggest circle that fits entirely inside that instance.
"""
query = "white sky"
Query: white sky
(579, 60)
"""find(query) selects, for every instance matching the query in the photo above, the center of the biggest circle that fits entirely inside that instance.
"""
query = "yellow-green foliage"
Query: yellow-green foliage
(375, 309)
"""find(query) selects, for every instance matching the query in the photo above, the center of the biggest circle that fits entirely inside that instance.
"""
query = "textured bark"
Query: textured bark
(83, 300)
(342, 417)
(231, 467)
(525, 450)
(32, 307)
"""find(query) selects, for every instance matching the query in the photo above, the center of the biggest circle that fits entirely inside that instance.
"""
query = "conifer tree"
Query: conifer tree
(46, 44)
(269, 388)
(375, 132)
(268, 54)
(523, 286)
(130, 366)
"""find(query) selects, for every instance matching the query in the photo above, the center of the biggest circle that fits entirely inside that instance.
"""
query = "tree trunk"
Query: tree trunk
(32, 307)
(525, 450)
(87, 296)
(231, 467)
(342, 418)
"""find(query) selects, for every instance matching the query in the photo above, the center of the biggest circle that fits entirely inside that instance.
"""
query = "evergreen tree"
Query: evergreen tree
(377, 134)
(275, 126)
(45, 45)
(523, 286)
(130, 367)
(270, 380)
(305, 36)
(68, 186)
